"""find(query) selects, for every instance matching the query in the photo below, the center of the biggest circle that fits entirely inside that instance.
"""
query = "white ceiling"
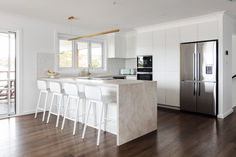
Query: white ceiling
(126, 14)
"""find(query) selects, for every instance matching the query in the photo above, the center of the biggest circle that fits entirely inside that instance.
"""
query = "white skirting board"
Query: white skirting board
(224, 115)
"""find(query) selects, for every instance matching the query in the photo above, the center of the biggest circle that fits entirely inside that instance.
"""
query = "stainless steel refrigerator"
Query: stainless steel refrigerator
(198, 72)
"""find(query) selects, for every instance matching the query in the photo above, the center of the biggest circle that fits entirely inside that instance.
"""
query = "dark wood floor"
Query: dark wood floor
(179, 134)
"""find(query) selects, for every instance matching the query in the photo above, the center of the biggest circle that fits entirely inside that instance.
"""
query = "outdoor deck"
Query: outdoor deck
(4, 92)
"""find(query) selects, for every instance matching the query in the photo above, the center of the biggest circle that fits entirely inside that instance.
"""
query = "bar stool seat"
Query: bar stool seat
(57, 92)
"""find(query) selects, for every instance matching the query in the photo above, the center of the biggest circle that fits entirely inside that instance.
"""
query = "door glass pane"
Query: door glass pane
(65, 57)
(96, 55)
(82, 54)
(7, 73)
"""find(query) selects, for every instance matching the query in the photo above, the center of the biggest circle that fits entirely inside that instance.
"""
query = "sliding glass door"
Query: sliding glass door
(7, 73)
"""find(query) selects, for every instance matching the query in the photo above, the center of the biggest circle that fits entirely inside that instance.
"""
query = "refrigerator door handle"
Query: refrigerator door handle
(194, 88)
(199, 89)
(194, 68)
(199, 67)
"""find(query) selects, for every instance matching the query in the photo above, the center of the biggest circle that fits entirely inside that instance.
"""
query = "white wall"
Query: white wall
(234, 70)
(35, 36)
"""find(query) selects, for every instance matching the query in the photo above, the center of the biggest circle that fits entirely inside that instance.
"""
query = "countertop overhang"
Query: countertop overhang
(91, 81)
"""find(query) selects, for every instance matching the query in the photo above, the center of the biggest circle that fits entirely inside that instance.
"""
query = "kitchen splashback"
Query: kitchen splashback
(46, 61)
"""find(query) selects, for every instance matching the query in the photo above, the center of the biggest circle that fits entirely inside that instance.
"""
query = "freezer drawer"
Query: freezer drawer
(188, 96)
(206, 98)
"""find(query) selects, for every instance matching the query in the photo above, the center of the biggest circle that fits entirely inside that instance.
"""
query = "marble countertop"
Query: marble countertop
(94, 81)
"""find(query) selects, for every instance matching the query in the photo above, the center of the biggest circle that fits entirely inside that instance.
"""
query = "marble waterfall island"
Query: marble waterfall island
(135, 111)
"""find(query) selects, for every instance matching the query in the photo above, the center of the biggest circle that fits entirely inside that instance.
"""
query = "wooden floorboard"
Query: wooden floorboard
(179, 135)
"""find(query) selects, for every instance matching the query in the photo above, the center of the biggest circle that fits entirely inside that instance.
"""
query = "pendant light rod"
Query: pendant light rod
(92, 35)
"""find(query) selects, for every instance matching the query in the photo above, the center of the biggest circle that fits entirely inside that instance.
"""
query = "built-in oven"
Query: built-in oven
(144, 62)
(144, 68)
(144, 76)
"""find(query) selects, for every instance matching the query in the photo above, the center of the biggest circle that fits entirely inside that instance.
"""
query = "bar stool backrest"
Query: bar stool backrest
(93, 93)
(42, 85)
(70, 89)
(55, 87)
(81, 88)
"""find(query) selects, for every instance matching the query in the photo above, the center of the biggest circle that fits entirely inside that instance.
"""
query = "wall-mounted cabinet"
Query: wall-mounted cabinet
(172, 50)
(116, 46)
(144, 43)
(131, 45)
(188, 33)
(121, 45)
(208, 30)
(199, 32)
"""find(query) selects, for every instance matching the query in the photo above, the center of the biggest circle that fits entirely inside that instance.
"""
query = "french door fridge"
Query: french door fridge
(198, 72)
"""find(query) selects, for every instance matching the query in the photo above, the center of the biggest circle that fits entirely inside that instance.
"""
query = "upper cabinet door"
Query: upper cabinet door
(110, 46)
(159, 51)
(208, 30)
(116, 46)
(131, 45)
(120, 46)
(172, 50)
(144, 43)
(188, 33)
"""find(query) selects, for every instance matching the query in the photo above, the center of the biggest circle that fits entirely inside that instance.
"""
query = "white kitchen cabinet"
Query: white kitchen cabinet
(160, 77)
(131, 45)
(189, 33)
(172, 89)
(208, 30)
(144, 43)
(172, 50)
(159, 64)
(159, 51)
(116, 46)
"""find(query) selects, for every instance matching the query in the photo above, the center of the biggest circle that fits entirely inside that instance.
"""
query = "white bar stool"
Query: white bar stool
(42, 86)
(71, 90)
(56, 90)
(94, 96)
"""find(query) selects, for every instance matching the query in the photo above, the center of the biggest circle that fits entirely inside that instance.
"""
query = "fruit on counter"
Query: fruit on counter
(50, 72)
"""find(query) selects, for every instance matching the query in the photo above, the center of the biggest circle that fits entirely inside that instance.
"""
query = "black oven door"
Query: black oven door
(144, 61)
(144, 76)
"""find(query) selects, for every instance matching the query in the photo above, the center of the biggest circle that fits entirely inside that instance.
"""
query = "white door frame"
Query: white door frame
(19, 71)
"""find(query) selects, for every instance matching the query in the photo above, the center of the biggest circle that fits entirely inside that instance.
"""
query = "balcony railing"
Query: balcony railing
(4, 82)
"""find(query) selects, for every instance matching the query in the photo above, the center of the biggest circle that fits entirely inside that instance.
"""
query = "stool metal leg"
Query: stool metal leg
(45, 106)
(76, 115)
(105, 116)
(36, 112)
(66, 107)
(50, 109)
(99, 127)
(95, 113)
(84, 104)
(59, 109)
(86, 121)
